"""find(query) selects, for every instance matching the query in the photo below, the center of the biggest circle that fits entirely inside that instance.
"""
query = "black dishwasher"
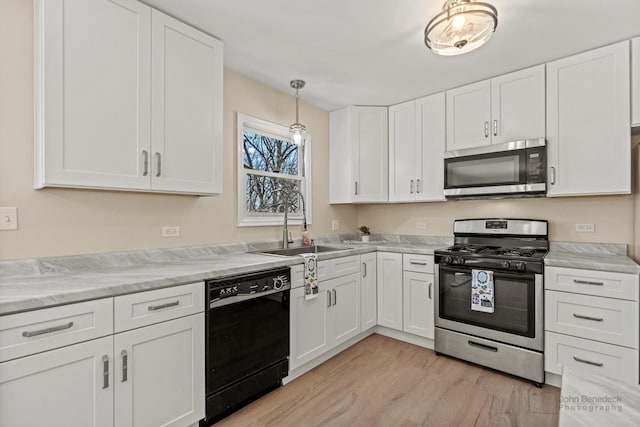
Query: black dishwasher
(247, 339)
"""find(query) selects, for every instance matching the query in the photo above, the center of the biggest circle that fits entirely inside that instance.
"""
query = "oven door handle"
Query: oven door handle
(496, 273)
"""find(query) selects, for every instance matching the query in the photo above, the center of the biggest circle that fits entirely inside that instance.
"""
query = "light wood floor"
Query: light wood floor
(384, 382)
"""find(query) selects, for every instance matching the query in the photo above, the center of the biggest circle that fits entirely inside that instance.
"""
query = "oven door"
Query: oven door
(517, 316)
(245, 338)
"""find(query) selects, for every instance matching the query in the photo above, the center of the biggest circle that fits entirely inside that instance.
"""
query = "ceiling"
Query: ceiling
(371, 52)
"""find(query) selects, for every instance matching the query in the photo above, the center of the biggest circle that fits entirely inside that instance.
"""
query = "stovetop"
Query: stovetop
(497, 251)
(499, 258)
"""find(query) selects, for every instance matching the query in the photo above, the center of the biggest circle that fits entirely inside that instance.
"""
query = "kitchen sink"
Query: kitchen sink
(303, 250)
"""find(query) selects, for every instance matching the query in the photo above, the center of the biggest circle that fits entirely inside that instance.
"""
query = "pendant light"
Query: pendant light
(463, 26)
(297, 129)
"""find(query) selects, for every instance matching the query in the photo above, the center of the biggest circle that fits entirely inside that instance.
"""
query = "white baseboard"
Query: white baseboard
(553, 379)
(403, 336)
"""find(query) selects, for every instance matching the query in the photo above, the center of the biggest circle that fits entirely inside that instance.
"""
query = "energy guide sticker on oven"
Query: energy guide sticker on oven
(482, 291)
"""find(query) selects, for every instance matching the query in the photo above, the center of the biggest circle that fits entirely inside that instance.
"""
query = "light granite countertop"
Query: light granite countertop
(590, 256)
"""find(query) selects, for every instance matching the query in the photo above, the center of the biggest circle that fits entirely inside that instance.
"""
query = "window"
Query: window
(272, 173)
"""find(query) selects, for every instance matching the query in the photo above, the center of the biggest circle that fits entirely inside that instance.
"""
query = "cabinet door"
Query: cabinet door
(635, 81)
(518, 105)
(186, 122)
(468, 116)
(370, 154)
(93, 93)
(159, 374)
(345, 308)
(389, 266)
(403, 152)
(368, 291)
(341, 176)
(430, 129)
(588, 114)
(310, 324)
(418, 303)
(64, 387)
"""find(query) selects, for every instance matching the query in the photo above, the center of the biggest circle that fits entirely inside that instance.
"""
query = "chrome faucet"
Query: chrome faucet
(285, 231)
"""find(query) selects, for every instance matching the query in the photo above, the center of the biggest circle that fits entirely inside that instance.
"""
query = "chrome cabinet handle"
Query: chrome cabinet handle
(328, 298)
(145, 153)
(364, 269)
(335, 296)
(29, 334)
(159, 162)
(595, 319)
(553, 175)
(123, 353)
(161, 306)
(482, 346)
(486, 129)
(105, 371)
(356, 183)
(495, 128)
(587, 282)
(411, 187)
(430, 286)
(417, 263)
(418, 188)
(588, 362)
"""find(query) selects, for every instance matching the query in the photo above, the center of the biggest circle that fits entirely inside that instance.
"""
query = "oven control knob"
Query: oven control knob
(448, 259)
(459, 260)
(278, 283)
(521, 266)
(506, 265)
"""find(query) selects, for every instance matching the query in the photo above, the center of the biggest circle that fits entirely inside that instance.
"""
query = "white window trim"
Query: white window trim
(282, 133)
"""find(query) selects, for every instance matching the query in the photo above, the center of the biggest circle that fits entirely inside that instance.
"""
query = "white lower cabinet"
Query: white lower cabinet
(345, 308)
(389, 266)
(70, 386)
(418, 303)
(368, 291)
(310, 326)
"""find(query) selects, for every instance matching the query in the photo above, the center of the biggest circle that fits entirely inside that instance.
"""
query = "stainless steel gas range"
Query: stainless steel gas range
(489, 299)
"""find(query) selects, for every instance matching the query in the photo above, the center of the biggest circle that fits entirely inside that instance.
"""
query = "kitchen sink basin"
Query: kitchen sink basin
(303, 250)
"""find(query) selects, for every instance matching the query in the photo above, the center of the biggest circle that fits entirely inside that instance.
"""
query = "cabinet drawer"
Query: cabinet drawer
(417, 263)
(31, 332)
(297, 276)
(590, 282)
(146, 308)
(602, 319)
(337, 267)
(590, 357)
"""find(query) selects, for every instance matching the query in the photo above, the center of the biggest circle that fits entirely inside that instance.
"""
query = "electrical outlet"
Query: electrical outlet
(8, 218)
(335, 225)
(585, 228)
(421, 225)
(173, 231)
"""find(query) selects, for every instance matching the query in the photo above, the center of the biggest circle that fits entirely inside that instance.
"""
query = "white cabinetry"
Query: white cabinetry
(127, 98)
(635, 81)
(333, 317)
(416, 148)
(358, 150)
(389, 266)
(506, 108)
(591, 322)
(368, 291)
(83, 375)
(588, 137)
(418, 299)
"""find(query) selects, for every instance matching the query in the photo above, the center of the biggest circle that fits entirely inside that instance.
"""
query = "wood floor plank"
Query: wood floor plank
(384, 382)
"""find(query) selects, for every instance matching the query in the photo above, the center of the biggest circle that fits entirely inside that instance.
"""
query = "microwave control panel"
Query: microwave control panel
(536, 165)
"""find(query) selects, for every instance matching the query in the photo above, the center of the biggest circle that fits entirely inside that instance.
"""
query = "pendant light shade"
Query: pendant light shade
(463, 26)
(297, 129)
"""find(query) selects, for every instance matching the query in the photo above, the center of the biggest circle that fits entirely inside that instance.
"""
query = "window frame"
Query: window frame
(246, 219)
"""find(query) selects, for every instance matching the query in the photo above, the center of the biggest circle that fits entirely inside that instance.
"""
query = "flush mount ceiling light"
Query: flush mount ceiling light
(463, 26)
(297, 129)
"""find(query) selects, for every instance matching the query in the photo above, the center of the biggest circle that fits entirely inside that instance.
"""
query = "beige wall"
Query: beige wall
(61, 221)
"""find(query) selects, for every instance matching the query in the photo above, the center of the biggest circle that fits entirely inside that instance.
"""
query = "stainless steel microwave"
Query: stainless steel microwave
(511, 169)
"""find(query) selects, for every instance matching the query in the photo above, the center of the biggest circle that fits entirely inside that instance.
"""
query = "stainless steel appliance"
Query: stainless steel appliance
(510, 338)
(512, 169)
(247, 339)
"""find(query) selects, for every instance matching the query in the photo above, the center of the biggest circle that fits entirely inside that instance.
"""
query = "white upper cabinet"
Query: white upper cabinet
(506, 108)
(588, 119)
(358, 141)
(635, 81)
(416, 148)
(127, 98)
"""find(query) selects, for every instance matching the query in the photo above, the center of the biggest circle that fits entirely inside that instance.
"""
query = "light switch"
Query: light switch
(335, 225)
(8, 218)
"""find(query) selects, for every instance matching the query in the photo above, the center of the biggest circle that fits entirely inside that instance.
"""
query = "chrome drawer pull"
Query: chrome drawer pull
(159, 160)
(328, 298)
(47, 330)
(105, 371)
(335, 296)
(146, 163)
(364, 269)
(595, 319)
(430, 286)
(125, 364)
(417, 263)
(587, 282)
(482, 346)
(161, 306)
(588, 362)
